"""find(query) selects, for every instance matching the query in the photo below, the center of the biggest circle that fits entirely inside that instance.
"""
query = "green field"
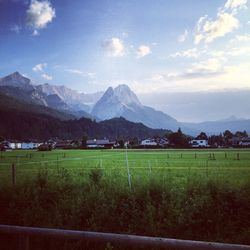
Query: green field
(228, 165)
(185, 194)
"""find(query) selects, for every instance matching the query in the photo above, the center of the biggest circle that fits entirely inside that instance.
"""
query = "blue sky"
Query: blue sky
(154, 46)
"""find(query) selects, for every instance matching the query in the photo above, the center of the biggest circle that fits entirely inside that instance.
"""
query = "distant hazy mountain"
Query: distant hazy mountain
(56, 97)
(10, 104)
(77, 101)
(232, 123)
(17, 80)
(121, 101)
(117, 102)
(25, 122)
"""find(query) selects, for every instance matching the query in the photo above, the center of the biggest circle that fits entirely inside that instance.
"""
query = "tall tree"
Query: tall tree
(178, 139)
(202, 136)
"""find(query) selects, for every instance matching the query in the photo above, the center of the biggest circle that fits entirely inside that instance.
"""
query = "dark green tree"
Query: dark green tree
(178, 139)
(241, 134)
(228, 135)
(121, 143)
(202, 136)
(84, 140)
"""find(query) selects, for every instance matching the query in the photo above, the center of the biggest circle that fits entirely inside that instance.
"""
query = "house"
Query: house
(149, 142)
(245, 142)
(152, 142)
(5, 146)
(103, 143)
(199, 143)
(15, 145)
(163, 142)
(30, 145)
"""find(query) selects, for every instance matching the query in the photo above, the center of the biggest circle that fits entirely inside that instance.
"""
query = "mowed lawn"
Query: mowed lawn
(226, 165)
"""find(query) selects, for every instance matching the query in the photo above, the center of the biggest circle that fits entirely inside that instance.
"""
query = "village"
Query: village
(201, 141)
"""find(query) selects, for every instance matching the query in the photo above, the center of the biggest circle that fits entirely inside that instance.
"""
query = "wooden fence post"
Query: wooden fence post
(13, 168)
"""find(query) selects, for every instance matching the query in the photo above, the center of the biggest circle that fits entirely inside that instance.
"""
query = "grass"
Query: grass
(230, 165)
(187, 194)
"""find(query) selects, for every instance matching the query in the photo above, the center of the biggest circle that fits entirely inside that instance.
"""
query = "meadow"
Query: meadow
(230, 165)
(186, 194)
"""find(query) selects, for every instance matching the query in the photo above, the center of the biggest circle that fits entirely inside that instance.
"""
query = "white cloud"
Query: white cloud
(35, 33)
(205, 68)
(238, 51)
(39, 14)
(183, 37)
(79, 72)
(243, 38)
(47, 77)
(114, 47)
(190, 53)
(74, 71)
(16, 28)
(235, 4)
(143, 50)
(209, 30)
(39, 67)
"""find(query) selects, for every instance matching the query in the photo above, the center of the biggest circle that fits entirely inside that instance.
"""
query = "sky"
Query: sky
(154, 46)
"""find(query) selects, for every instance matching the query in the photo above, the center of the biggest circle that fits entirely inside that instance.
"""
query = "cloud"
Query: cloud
(209, 30)
(15, 28)
(243, 38)
(204, 68)
(235, 4)
(81, 73)
(39, 67)
(239, 51)
(35, 33)
(142, 51)
(190, 53)
(74, 71)
(47, 77)
(114, 47)
(183, 37)
(39, 14)
(200, 70)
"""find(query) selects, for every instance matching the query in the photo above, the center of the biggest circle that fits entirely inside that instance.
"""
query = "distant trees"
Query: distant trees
(2, 138)
(216, 140)
(241, 134)
(133, 141)
(178, 139)
(121, 143)
(202, 136)
(84, 140)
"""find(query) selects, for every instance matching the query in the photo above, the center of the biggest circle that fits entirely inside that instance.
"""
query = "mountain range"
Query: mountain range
(64, 103)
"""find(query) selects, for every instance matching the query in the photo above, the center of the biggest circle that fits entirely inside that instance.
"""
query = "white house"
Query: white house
(149, 142)
(15, 145)
(199, 143)
(30, 145)
(245, 142)
(102, 143)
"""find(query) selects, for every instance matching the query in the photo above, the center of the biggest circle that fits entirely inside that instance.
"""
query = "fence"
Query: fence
(124, 240)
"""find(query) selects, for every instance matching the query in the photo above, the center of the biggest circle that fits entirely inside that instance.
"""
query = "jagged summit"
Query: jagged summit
(17, 80)
(122, 101)
(126, 95)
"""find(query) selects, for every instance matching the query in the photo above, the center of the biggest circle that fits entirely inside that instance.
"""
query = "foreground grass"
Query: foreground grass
(186, 194)
(194, 208)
